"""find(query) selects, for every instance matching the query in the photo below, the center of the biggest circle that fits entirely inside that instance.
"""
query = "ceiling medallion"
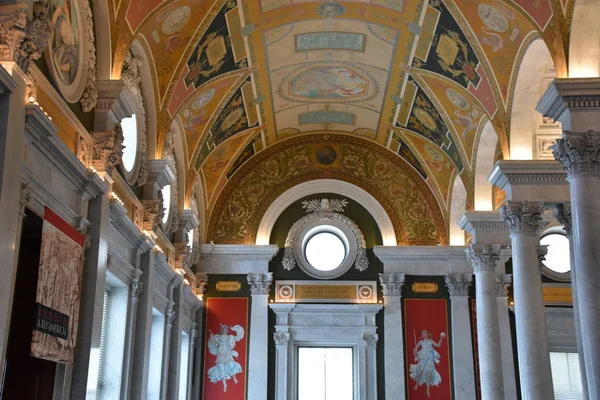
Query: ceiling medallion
(330, 10)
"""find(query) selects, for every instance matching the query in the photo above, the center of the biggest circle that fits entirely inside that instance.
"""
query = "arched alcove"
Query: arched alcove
(457, 209)
(484, 163)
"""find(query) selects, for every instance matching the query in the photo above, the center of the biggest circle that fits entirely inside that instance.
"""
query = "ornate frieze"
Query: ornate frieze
(260, 283)
(578, 152)
(108, 149)
(151, 215)
(391, 284)
(458, 284)
(13, 21)
(36, 38)
(483, 256)
(562, 212)
(281, 338)
(523, 217)
(503, 281)
(90, 93)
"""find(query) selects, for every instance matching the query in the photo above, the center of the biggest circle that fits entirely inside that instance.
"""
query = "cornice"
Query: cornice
(235, 252)
(528, 172)
(569, 93)
(160, 172)
(188, 220)
(471, 221)
(420, 253)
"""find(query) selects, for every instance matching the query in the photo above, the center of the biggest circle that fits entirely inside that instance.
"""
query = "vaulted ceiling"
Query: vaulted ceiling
(415, 79)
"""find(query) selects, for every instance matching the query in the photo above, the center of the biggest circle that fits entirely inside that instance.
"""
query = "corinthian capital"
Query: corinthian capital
(260, 283)
(525, 217)
(13, 20)
(562, 212)
(483, 256)
(281, 338)
(458, 284)
(36, 38)
(391, 284)
(578, 152)
(108, 149)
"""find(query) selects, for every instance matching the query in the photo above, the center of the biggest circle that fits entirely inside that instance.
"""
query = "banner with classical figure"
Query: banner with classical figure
(58, 290)
(226, 348)
(427, 349)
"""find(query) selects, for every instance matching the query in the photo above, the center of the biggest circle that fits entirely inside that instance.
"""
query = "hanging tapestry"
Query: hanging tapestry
(58, 290)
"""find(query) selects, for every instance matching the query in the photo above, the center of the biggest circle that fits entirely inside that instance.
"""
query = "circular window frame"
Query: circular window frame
(550, 273)
(338, 228)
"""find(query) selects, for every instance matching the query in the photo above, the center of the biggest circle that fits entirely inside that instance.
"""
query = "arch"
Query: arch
(458, 205)
(180, 163)
(529, 87)
(140, 52)
(326, 186)
(584, 51)
(102, 40)
(484, 163)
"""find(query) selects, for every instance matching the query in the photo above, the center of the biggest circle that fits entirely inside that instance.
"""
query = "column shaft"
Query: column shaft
(394, 376)
(129, 335)
(506, 343)
(585, 189)
(532, 337)
(174, 364)
(281, 365)
(462, 348)
(258, 361)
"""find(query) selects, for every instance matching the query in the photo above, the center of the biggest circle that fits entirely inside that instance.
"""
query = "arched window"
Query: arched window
(166, 196)
(130, 140)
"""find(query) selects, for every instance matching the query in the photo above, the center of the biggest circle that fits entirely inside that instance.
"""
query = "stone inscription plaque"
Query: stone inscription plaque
(324, 292)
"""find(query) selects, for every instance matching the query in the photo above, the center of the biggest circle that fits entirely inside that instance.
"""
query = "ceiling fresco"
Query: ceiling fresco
(415, 79)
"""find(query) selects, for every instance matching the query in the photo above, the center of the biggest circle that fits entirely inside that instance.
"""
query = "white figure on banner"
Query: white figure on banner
(222, 345)
(423, 372)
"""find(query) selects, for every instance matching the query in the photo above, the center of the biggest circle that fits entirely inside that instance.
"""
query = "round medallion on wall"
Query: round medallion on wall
(326, 155)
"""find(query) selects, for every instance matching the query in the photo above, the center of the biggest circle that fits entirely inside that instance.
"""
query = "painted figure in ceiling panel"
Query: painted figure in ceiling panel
(220, 50)
(233, 119)
(418, 114)
(449, 53)
(329, 83)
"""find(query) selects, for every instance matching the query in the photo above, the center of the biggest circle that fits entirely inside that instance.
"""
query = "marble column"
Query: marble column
(258, 363)
(579, 153)
(143, 330)
(197, 361)
(462, 347)
(12, 126)
(394, 374)
(191, 349)
(484, 257)
(282, 340)
(562, 212)
(135, 288)
(370, 357)
(524, 224)
(503, 281)
(172, 343)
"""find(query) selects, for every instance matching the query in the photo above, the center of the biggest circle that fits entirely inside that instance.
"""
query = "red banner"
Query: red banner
(226, 349)
(427, 349)
(58, 290)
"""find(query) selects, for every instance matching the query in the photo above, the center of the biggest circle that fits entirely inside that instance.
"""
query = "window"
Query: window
(129, 127)
(325, 373)
(566, 376)
(183, 365)
(325, 251)
(558, 258)
(166, 195)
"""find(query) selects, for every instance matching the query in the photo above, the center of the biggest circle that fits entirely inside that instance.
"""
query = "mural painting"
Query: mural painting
(214, 54)
(450, 52)
(58, 290)
(328, 83)
(427, 349)
(249, 151)
(226, 348)
(406, 153)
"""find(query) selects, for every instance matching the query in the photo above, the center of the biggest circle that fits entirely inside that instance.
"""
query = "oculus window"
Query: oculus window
(166, 195)
(325, 373)
(129, 127)
(325, 250)
(558, 257)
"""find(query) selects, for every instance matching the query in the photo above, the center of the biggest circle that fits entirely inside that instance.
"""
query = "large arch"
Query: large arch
(321, 186)
(458, 205)
(584, 44)
(530, 84)
(484, 163)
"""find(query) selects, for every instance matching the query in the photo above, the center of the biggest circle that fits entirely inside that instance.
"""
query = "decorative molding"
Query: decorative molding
(326, 309)
(502, 283)
(523, 217)
(565, 94)
(391, 284)
(420, 253)
(201, 282)
(89, 98)
(458, 284)
(151, 215)
(370, 339)
(324, 209)
(578, 152)
(508, 173)
(260, 283)
(135, 288)
(159, 173)
(281, 338)
(562, 212)
(36, 39)
(483, 256)
(227, 252)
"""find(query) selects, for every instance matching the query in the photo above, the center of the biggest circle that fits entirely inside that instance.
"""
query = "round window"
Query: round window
(129, 127)
(166, 195)
(325, 251)
(558, 258)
